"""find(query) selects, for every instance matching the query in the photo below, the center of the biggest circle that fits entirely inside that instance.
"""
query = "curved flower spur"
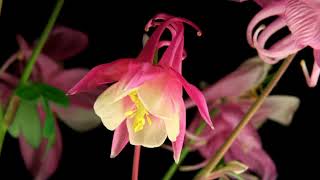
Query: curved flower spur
(145, 104)
(302, 19)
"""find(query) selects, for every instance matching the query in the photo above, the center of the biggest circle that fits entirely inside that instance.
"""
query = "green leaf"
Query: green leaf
(34, 91)
(14, 129)
(49, 129)
(28, 121)
(53, 94)
(28, 92)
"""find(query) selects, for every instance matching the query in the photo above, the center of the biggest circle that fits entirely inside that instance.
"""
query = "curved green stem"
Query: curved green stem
(203, 174)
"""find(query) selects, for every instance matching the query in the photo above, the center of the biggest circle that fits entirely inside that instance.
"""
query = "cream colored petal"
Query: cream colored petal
(282, 108)
(112, 105)
(157, 97)
(173, 126)
(150, 136)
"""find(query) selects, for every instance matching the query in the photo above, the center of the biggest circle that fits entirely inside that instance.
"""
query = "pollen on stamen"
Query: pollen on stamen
(129, 113)
(148, 119)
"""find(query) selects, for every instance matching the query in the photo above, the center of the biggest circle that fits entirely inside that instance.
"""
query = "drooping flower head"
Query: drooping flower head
(62, 44)
(145, 104)
(302, 19)
(237, 99)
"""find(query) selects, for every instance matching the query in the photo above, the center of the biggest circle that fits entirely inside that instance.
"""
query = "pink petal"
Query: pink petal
(23, 45)
(45, 68)
(196, 95)
(139, 73)
(225, 121)
(178, 144)
(64, 80)
(248, 76)
(5, 93)
(40, 164)
(43, 62)
(173, 55)
(102, 74)
(272, 10)
(64, 43)
(152, 45)
(10, 79)
(247, 148)
(120, 140)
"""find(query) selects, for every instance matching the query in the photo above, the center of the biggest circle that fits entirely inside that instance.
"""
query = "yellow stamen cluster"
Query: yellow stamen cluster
(139, 114)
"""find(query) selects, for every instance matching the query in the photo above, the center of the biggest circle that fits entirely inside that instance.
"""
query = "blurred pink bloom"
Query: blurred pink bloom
(62, 43)
(146, 92)
(237, 100)
(41, 163)
(302, 19)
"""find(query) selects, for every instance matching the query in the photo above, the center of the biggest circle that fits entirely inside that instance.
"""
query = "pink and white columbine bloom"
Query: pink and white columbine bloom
(63, 43)
(237, 99)
(302, 19)
(145, 103)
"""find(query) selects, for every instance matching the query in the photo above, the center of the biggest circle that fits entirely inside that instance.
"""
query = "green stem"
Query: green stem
(174, 167)
(246, 119)
(43, 38)
(8, 118)
(1, 6)
(14, 100)
(185, 151)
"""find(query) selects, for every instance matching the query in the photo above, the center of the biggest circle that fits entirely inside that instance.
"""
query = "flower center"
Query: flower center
(139, 114)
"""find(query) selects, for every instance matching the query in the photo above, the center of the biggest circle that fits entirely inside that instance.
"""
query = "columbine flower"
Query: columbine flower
(301, 17)
(237, 99)
(62, 43)
(145, 103)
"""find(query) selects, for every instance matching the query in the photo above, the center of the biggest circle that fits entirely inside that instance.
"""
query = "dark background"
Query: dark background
(115, 29)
